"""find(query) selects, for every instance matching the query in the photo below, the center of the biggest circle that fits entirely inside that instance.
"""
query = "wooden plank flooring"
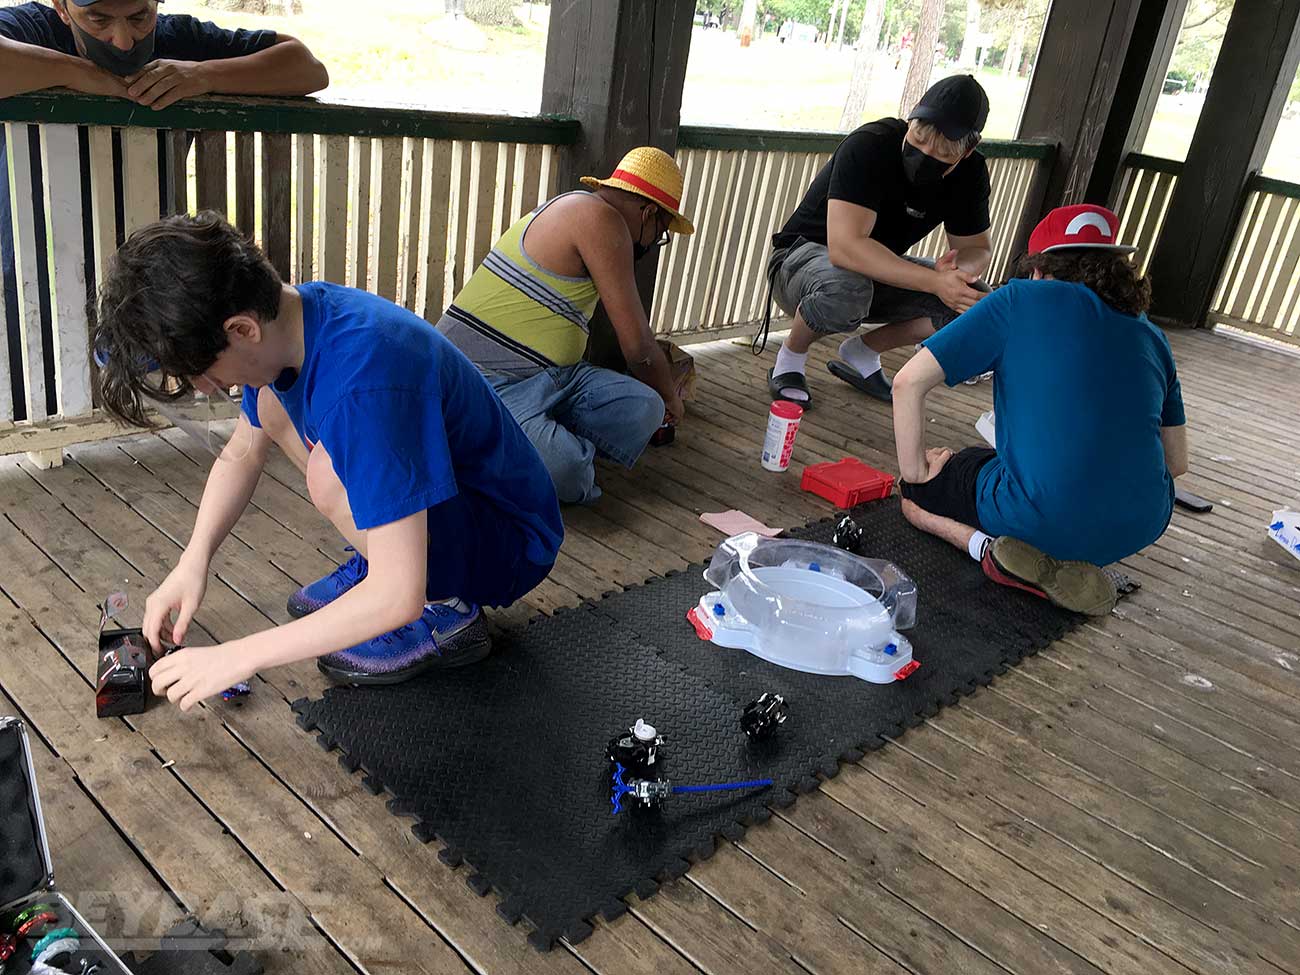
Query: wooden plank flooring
(1127, 801)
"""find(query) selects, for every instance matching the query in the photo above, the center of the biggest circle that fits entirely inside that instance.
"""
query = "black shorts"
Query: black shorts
(951, 494)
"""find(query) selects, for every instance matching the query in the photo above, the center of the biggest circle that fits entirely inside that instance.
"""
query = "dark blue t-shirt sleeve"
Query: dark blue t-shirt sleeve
(389, 448)
(35, 23)
(972, 344)
(248, 405)
(1172, 413)
(185, 38)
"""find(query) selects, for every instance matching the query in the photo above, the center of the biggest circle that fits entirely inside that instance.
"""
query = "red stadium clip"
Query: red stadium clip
(702, 629)
(907, 669)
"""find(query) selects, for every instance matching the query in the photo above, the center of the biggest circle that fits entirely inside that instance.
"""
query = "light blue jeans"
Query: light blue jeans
(571, 413)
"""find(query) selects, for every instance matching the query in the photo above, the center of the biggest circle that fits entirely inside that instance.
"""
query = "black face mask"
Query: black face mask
(640, 250)
(108, 57)
(921, 169)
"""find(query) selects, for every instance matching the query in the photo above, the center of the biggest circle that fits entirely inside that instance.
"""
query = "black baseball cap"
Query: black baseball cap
(956, 106)
(90, 3)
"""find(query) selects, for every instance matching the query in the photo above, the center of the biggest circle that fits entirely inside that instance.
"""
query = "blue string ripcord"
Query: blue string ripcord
(722, 786)
(622, 788)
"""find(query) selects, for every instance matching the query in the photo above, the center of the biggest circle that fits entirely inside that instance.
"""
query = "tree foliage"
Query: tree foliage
(492, 13)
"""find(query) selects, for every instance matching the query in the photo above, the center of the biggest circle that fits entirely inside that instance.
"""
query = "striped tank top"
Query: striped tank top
(516, 318)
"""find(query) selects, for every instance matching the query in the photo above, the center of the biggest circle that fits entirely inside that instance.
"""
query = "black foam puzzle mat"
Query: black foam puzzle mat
(504, 763)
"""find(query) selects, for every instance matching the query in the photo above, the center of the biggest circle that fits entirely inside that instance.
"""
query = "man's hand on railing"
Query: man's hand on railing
(94, 80)
(164, 83)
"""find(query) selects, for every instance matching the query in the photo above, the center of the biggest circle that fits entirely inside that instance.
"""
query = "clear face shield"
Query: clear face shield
(206, 411)
(208, 414)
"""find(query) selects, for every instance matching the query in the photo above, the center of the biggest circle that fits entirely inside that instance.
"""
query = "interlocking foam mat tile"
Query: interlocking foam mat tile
(503, 762)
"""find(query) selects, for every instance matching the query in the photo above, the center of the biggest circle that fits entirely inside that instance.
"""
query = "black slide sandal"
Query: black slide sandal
(875, 385)
(789, 380)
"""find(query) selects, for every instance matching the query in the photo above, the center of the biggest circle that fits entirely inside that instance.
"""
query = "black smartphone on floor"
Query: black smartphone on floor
(1192, 502)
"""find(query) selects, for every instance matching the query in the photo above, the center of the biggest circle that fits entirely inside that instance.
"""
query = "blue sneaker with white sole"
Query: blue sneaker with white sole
(312, 597)
(447, 635)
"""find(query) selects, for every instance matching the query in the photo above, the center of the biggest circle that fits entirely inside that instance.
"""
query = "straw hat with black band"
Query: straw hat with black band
(653, 174)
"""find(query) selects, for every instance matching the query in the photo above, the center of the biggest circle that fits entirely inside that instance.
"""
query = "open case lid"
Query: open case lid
(25, 866)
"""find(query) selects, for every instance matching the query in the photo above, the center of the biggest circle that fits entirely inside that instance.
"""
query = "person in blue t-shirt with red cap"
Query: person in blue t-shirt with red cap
(405, 447)
(1090, 423)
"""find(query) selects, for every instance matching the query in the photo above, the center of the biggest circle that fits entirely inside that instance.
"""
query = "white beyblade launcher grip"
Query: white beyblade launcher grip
(809, 607)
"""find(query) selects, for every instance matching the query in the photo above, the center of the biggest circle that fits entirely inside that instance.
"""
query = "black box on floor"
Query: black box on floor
(26, 871)
(122, 673)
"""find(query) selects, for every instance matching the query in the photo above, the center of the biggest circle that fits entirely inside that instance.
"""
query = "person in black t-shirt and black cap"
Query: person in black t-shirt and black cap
(837, 261)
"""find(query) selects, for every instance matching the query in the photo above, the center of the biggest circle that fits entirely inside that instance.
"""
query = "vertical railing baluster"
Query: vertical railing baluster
(304, 189)
(388, 217)
(245, 183)
(332, 230)
(210, 164)
(64, 232)
(277, 199)
(18, 138)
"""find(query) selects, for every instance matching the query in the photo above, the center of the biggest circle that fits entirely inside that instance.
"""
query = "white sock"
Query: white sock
(787, 361)
(855, 352)
(978, 543)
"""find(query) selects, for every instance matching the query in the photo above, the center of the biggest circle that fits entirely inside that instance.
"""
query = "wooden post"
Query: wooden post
(1073, 86)
(1256, 67)
(1141, 80)
(619, 67)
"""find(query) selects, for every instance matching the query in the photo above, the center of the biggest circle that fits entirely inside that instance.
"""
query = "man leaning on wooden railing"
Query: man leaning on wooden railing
(127, 49)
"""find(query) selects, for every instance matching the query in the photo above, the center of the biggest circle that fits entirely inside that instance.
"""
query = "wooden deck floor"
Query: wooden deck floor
(1125, 802)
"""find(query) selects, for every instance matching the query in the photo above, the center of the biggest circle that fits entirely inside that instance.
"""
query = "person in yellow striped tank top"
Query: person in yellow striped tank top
(524, 315)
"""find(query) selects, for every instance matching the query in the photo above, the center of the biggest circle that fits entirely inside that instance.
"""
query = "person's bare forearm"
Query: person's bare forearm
(652, 369)
(874, 260)
(225, 497)
(26, 67)
(975, 260)
(909, 431)
(286, 68)
(360, 614)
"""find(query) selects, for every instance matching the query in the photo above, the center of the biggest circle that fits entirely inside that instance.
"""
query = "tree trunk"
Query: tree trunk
(1016, 49)
(748, 14)
(873, 18)
(970, 40)
(839, 33)
(918, 73)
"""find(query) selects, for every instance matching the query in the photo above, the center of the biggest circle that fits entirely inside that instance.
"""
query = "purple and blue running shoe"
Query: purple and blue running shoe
(447, 635)
(312, 597)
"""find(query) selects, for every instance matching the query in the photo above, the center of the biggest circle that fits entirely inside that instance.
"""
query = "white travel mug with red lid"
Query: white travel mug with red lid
(782, 425)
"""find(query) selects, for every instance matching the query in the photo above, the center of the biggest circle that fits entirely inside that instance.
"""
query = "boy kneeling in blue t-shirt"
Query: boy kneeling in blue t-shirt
(1090, 424)
(405, 448)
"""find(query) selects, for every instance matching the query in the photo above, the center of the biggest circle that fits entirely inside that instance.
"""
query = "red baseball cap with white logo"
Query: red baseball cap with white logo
(1077, 227)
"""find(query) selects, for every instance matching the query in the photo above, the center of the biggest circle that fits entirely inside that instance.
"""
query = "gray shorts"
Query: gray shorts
(833, 299)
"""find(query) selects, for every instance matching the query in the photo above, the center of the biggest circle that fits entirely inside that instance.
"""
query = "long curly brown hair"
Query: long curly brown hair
(1115, 279)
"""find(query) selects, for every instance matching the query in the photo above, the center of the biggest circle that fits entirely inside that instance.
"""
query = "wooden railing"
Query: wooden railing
(1260, 287)
(742, 184)
(1259, 290)
(401, 202)
(398, 201)
(1145, 190)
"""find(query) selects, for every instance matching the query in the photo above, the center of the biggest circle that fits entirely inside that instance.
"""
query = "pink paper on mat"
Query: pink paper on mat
(737, 522)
